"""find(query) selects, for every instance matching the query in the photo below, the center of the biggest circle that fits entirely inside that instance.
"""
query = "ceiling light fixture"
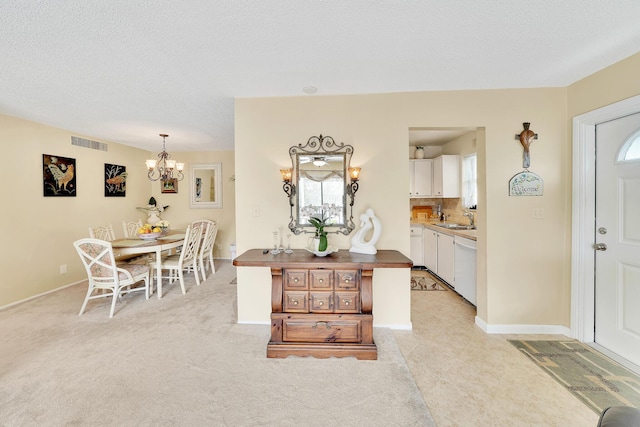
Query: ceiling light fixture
(164, 166)
(310, 90)
(319, 161)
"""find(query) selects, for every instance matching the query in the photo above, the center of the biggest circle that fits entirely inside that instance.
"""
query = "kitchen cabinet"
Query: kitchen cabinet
(446, 258)
(421, 175)
(416, 248)
(430, 251)
(446, 176)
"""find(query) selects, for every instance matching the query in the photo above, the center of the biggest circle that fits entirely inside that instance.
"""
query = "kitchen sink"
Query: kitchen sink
(457, 226)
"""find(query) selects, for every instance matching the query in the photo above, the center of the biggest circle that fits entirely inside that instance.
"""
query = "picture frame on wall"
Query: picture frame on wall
(169, 185)
(115, 180)
(58, 176)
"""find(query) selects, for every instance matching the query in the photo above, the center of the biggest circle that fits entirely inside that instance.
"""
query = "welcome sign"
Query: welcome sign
(526, 184)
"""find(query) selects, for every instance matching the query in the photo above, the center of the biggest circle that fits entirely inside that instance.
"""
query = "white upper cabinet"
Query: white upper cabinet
(421, 175)
(446, 176)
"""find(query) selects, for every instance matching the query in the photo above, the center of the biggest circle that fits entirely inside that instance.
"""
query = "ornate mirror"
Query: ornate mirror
(205, 186)
(318, 185)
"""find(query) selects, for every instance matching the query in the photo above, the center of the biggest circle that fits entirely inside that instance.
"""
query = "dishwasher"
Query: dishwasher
(417, 246)
(465, 268)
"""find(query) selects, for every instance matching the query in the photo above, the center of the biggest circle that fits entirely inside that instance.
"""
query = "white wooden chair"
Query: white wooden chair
(206, 248)
(104, 274)
(102, 232)
(186, 259)
(130, 228)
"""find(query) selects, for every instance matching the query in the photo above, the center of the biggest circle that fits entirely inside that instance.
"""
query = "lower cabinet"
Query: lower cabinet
(446, 258)
(430, 252)
(416, 248)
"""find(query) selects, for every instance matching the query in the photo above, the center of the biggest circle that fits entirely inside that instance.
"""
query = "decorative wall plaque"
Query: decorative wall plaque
(526, 184)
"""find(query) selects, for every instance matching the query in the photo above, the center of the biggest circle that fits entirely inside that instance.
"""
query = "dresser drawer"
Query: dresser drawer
(349, 331)
(347, 302)
(347, 279)
(321, 279)
(295, 279)
(296, 302)
(321, 302)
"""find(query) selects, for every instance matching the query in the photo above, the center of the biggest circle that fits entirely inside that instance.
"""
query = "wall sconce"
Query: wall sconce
(288, 187)
(354, 174)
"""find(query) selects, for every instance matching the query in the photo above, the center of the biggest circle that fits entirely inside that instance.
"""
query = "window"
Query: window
(470, 182)
(631, 149)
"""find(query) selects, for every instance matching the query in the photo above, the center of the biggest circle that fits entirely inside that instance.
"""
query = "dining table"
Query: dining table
(173, 239)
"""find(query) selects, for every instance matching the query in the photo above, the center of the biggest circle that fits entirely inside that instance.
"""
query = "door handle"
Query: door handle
(600, 247)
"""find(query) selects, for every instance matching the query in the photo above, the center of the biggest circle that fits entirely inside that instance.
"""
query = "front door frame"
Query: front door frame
(584, 212)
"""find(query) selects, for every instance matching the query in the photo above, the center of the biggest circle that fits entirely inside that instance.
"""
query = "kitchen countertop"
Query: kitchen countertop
(469, 234)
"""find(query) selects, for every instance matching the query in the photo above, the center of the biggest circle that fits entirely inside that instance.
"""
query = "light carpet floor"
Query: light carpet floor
(183, 361)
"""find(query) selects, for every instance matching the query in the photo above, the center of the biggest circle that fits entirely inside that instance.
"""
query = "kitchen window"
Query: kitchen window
(470, 181)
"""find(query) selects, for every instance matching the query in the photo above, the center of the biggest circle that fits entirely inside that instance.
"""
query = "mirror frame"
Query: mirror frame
(320, 145)
(217, 186)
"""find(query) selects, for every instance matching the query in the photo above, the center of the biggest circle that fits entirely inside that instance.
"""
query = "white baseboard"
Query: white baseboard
(42, 294)
(523, 329)
(256, 322)
(396, 326)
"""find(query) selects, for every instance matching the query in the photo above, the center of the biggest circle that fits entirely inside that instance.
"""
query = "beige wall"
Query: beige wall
(180, 214)
(39, 231)
(525, 257)
(612, 84)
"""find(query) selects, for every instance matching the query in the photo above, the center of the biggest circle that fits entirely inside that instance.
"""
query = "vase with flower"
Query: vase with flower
(320, 242)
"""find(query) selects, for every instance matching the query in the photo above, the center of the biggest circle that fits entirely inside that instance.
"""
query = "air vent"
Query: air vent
(87, 143)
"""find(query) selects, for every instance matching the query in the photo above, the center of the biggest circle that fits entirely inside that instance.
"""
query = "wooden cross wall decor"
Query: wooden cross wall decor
(526, 137)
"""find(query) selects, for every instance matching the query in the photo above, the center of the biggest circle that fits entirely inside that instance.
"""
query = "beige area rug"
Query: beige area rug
(183, 361)
(421, 280)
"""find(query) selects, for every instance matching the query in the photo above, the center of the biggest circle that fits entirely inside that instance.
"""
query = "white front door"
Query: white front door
(617, 226)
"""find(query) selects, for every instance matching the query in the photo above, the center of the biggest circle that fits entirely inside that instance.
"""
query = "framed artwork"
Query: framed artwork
(115, 180)
(58, 176)
(169, 185)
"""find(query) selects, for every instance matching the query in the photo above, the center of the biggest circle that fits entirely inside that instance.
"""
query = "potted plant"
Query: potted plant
(320, 235)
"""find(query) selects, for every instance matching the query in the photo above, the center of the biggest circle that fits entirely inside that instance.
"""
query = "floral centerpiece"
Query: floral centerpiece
(162, 225)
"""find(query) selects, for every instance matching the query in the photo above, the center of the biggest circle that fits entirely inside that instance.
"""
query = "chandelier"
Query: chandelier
(163, 168)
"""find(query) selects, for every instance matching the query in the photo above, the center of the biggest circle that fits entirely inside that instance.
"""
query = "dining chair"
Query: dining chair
(104, 274)
(176, 264)
(206, 248)
(130, 228)
(104, 232)
(204, 226)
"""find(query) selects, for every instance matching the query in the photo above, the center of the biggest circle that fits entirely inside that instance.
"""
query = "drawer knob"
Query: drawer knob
(346, 302)
(295, 280)
(295, 303)
(321, 303)
(321, 280)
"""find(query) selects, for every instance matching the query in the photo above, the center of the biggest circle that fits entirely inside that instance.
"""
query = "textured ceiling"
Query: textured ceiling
(128, 70)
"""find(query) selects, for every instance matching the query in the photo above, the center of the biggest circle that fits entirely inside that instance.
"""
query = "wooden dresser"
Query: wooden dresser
(322, 306)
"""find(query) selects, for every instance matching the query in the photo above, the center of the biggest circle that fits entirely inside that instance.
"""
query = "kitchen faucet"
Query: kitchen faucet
(472, 221)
